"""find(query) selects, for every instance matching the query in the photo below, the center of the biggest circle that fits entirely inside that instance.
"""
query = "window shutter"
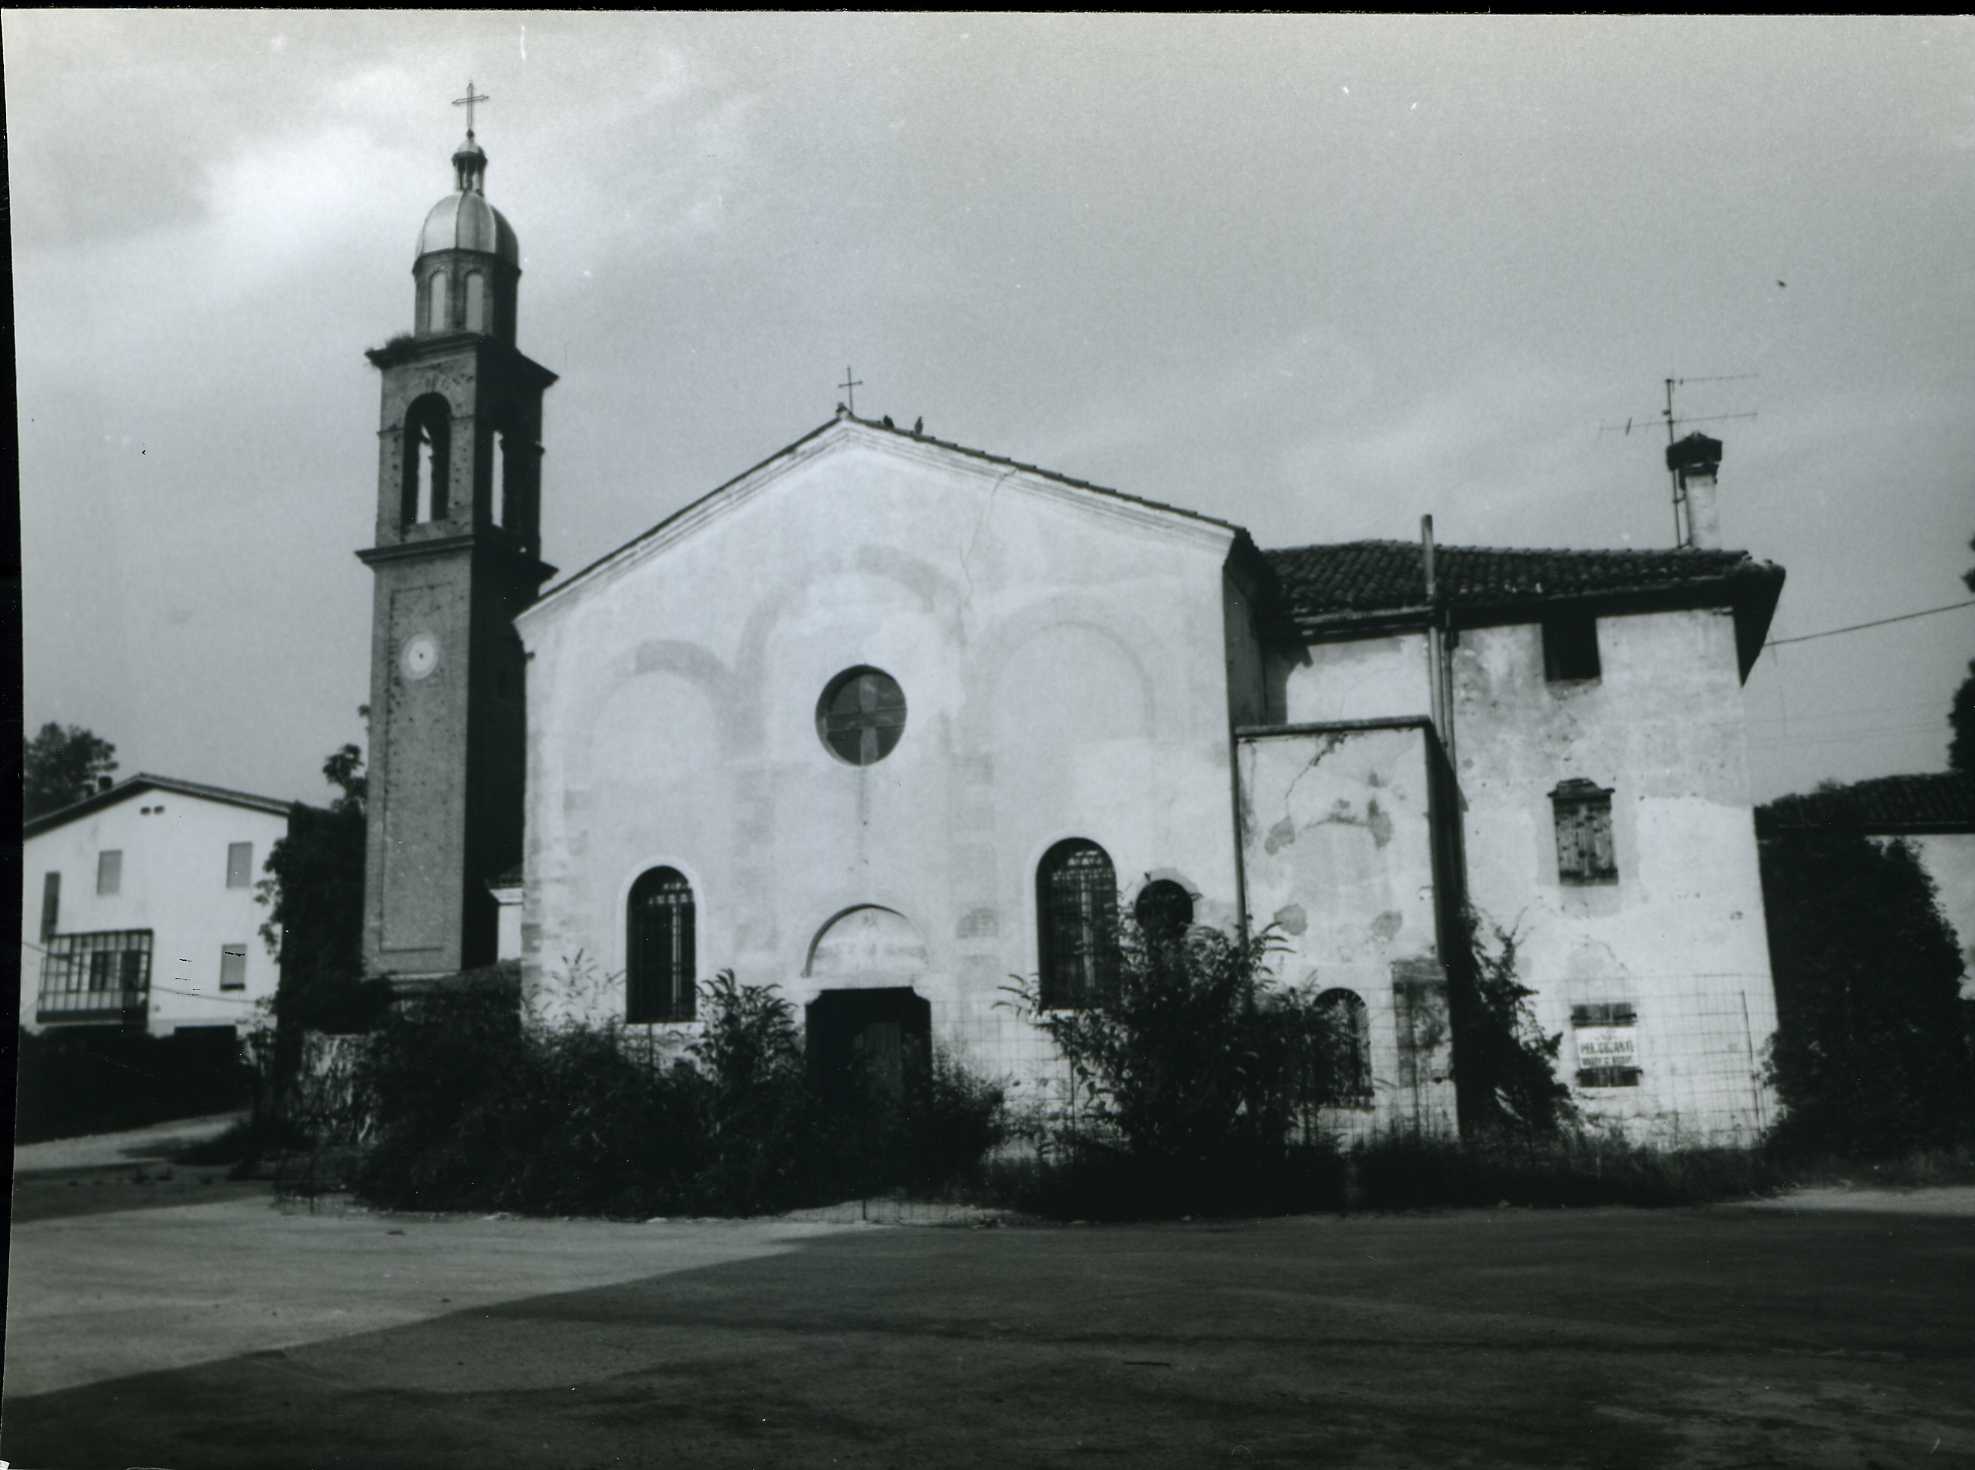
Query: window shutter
(1598, 840)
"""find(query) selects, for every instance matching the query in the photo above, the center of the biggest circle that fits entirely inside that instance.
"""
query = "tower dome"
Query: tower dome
(468, 259)
(464, 220)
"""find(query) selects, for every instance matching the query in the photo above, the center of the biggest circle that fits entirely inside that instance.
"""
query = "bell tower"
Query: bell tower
(456, 556)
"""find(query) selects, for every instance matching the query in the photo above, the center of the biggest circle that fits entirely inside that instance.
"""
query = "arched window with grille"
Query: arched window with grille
(659, 966)
(1347, 1040)
(1077, 905)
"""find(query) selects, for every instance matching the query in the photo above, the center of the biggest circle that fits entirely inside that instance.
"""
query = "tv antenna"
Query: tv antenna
(1673, 423)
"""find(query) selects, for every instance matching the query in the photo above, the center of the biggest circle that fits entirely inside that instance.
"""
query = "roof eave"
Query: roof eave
(145, 781)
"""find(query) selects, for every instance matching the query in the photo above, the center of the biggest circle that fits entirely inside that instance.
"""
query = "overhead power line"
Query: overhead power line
(1925, 612)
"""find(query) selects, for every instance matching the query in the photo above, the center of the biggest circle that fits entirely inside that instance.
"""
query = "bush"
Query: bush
(477, 1111)
(479, 1106)
(1189, 1081)
(1570, 1168)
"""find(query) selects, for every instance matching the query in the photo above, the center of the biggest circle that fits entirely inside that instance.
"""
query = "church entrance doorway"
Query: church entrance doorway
(868, 1043)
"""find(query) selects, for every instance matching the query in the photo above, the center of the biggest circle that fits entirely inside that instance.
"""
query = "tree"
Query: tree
(1961, 715)
(1870, 1055)
(314, 896)
(62, 766)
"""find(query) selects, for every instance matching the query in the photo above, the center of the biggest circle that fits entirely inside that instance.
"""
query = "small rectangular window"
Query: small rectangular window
(1570, 648)
(239, 865)
(109, 871)
(1604, 1013)
(1584, 833)
(1607, 1076)
(51, 905)
(233, 967)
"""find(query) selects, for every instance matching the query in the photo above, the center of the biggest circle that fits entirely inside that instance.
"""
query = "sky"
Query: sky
(1316, 275)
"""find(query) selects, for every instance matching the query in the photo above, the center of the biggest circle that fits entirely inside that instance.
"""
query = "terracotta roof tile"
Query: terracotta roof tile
(1938, 801)
(1377, 576)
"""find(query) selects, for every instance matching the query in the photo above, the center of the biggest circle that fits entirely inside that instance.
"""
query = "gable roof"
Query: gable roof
(1343, 586)
(835, 422)
(145, 781)
(1937, 801)
(1348, 588)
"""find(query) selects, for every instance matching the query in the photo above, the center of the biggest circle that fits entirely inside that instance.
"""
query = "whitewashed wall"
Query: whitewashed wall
(1680, 934)
(1065, 667)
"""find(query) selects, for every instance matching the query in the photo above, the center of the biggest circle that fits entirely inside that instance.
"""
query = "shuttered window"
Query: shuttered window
(239, 865)
(233, 967)
(1584, 833)
(109, 872)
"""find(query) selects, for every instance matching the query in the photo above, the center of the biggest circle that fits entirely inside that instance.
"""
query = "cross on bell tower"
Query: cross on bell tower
(467, 102)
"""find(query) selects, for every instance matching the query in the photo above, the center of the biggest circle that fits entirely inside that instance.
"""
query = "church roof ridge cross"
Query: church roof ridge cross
(467, 102)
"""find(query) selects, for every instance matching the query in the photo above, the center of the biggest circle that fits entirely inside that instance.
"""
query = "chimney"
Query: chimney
(104, 783)
(1693, 461)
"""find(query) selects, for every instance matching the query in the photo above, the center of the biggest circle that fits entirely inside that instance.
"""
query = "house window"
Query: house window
(1347, 1044)
(1077, 904)
(659, 971)
(96, 977)
(239, 865)
(233, 967)
(51, 905)
(1164, 910)
(861, 715)
(109, 872)
(1604, 1013)
(1570, 647)
(1584, 833)
(1607, 1076)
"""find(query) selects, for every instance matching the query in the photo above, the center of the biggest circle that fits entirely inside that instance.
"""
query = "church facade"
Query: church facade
(886, 721)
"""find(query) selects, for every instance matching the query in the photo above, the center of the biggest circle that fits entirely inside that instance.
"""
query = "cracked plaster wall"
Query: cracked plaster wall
(1337, 850)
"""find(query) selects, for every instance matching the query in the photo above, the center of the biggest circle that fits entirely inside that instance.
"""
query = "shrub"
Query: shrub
(1572, 1167)
(478, 1105)
(1189, 1081)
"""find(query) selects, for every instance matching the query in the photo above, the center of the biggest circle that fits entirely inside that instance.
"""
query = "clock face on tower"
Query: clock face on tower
(419, 657)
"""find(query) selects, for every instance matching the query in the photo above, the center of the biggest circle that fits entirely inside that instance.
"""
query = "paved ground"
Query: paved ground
(230, 1334)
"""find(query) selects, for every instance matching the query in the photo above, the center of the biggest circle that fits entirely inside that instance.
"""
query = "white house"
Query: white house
(138, 911)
